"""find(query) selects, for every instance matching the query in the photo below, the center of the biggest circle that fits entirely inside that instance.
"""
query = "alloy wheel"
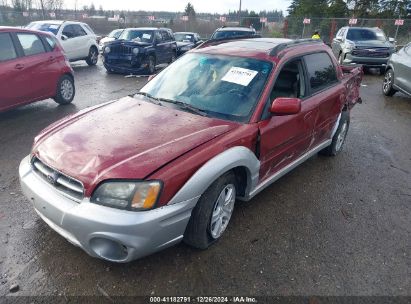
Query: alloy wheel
(66, 89)
(223, 209)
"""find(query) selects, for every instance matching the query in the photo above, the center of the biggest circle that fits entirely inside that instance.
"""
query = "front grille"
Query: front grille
(372, 52)
(63, 183)
(121, 49)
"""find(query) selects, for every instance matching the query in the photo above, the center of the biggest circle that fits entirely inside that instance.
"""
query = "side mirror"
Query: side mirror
(151, 77)
(64, 37)
(285, 106)
(392, 40)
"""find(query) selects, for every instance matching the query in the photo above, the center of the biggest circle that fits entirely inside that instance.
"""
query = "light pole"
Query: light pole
(399, 17)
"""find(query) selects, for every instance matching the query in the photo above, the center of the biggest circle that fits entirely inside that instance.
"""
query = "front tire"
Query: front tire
(92, 58)
(212, 213)
(339, 136)
(65, 90)
(151, 68)
(387, 86)
(173, 57)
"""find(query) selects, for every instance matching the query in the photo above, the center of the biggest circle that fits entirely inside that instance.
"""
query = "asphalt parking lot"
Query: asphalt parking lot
(334, 226)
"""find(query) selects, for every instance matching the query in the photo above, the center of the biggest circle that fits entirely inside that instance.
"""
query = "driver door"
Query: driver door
(283, 139)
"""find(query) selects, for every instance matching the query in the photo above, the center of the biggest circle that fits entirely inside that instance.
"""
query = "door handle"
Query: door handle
(52, 58)
(19, 66)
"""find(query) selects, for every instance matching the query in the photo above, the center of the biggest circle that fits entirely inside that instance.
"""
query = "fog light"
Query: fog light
(109, 249)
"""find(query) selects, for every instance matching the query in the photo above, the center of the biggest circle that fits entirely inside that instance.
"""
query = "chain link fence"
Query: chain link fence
(328, 27)
(205, 25)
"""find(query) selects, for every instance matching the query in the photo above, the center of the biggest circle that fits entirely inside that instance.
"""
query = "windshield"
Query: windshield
(221, 86)
(184, 37)
(229, 34)
(45, 27)
(115, 34)
(365, 34)
(137, 35)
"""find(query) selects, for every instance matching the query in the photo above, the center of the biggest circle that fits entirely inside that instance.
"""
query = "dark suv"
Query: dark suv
(140, 50)
(367, 46)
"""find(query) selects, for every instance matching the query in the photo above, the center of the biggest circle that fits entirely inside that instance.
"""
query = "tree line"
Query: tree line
(350, 8)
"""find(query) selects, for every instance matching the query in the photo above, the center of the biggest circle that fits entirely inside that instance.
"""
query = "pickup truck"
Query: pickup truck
(168, 163)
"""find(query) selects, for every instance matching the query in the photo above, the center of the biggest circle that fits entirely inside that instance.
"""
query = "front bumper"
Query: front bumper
(127, 65)
(365, 61)
(108, 233)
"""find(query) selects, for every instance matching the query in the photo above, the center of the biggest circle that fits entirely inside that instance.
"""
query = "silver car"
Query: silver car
(398, 72)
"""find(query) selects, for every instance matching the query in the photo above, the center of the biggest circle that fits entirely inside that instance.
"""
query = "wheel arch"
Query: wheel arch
(241, 160)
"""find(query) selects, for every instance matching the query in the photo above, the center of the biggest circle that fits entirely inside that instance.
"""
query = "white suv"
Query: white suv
(77, 38)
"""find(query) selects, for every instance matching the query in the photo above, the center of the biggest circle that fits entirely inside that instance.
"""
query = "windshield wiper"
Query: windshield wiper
(150, 97)
(185, 106)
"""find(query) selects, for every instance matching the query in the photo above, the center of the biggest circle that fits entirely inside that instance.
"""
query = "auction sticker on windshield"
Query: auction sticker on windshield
(239, 76)
(146, 36)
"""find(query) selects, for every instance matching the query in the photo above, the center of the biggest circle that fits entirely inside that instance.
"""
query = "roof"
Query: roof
(147, 28)
(185, 33)
(20, 29)
(362, 28)
(53, 21)
(244, 29)
(256, 47)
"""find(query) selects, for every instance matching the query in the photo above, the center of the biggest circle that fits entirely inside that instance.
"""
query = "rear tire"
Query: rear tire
(339, 136)
(212, 214)
(65, 90)
(387, 86)
(92, 58)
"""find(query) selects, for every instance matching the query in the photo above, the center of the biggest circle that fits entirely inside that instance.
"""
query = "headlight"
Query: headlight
(135, 51)
(127, 195)
(107, 49)
(349, 46)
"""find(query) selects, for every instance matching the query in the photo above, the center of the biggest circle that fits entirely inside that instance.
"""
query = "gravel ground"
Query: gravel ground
(334, 226)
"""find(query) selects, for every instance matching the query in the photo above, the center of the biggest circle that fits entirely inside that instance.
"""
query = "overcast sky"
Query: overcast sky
(204, 6)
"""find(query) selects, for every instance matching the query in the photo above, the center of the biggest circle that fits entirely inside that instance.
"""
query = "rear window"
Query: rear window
(7, 50)
(321, 71)
(229, 34)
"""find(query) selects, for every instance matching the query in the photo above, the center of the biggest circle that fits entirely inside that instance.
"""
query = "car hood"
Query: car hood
(129, 43)
(373, 43)
(106, 40)
(127, 139)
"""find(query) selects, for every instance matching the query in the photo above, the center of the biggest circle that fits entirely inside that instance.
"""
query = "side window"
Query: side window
(165, 36)
(31, 44)
(321, 71)
(290, 81)
(7, 50)
(69, 31)
(88, 28)
(159, 37)
(51, 41)
(79, 31)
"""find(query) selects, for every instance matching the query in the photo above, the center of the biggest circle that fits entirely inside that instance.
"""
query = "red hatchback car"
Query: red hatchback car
(33, 67)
